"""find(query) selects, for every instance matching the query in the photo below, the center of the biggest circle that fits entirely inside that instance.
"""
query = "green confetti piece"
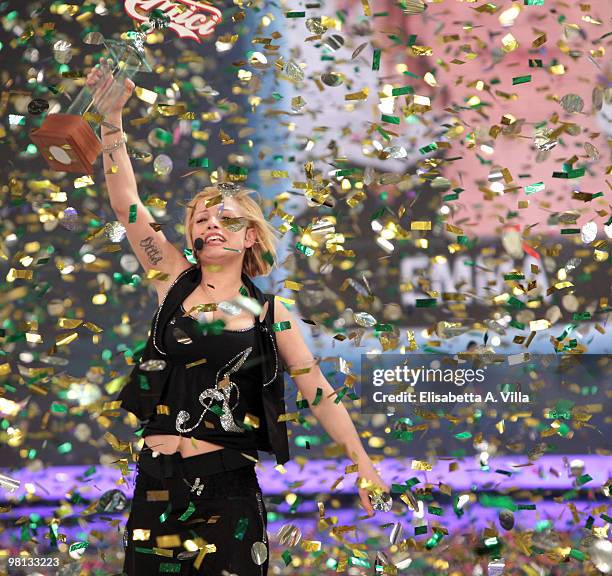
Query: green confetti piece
(429, 148)
(237, 170)
(577, 554)
(581, 316)
(390, 119)
(318, 397)
(376, 59)
(198, 162)
(295, 14)
(515, 303)
(435, 510)
(241, 527)
(383, 327)
(170, 567)
(517, 324)
(535, 63)
(606, 518)
(340, 395)
(533, 188)
(132, 215)
(64, 448)
(281, 326)
(143, 382)
(434, 540)
(218, 410)
(78, 546)
(163, 135)
(306, 250)
(504, 472)
(521, 79)
(419, 530)
(589, 522)
(402, 90)
(90, 471)
(526, 507)
(570, 230)
(463, 435)
(412, 482)
(286, 556)
(190, 510)
(426, 303)
(164, 515)
(576, 173)
(142, 550)
(383, 133)
(584, 479)
(59, 407)
(361, 562)
(267, 256)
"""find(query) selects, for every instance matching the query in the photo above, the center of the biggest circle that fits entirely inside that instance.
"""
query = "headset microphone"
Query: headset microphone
(198, 244)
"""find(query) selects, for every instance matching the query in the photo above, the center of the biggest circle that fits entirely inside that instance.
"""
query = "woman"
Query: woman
(209, 384)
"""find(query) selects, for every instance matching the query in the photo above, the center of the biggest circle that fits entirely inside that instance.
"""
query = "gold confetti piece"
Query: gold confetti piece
(69, 323)
(112, 440)
(155, 202)
(421, 50)
(361, 95)
(168, 541)
(196, 363)
(163, 552)
(420, 225)
(288, 301)
(288, 417)
(63, 340)
(421, 465)
(509, 43)
(145, 95)
(291, 285)
(5, 369)
(162, 409)
(153, 274)
(14, 274)
(141, 534)
(311, 545)
(251, 420)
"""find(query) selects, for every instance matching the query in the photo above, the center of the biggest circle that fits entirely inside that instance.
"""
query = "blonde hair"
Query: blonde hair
(260, 258)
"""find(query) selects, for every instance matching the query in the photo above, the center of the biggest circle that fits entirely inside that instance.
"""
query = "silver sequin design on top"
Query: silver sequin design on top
(220, 394)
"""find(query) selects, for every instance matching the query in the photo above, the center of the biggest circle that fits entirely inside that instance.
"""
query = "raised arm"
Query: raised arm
(333, 416)
(153, 250)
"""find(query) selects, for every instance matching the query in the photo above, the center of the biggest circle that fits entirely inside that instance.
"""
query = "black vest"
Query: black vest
(142, 392)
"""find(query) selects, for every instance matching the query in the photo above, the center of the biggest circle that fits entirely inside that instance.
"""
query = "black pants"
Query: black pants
(202, 515)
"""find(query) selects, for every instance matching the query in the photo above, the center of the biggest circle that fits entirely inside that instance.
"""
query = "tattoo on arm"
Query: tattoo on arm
(151, 250)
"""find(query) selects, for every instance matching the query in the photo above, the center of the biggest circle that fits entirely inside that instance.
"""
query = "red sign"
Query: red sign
(189, 19)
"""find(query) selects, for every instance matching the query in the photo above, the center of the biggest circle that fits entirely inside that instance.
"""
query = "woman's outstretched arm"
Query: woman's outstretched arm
(333, 416)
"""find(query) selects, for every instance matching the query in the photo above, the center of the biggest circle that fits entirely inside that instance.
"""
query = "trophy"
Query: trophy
(68, 142)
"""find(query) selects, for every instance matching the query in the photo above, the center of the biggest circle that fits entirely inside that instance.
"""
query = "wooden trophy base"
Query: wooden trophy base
(68, 143)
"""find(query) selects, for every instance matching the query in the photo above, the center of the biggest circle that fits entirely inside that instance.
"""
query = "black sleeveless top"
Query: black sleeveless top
(214, 384)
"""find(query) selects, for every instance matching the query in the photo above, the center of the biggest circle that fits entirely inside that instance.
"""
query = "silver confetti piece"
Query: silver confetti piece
(315, 26)
(294, 71)
(396, 534)
(381, 501)
(93, 38)
(115, 231)
(259, 553)
(152, 365)
(588, 232)
(332, 79)
(506, 519)
(572, 103)
(289, 535)
(9, 484)
(334, 42)
(62, 51)
(496, 567)
(364, 319)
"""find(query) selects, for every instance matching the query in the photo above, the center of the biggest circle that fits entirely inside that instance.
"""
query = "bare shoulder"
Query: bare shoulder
(165, 281)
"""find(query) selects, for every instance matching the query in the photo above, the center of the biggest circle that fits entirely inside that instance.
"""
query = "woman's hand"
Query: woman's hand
(366, 471)
(108, 95)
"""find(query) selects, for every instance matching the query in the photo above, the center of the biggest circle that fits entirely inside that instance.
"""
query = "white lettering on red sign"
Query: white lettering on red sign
(188, 19)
